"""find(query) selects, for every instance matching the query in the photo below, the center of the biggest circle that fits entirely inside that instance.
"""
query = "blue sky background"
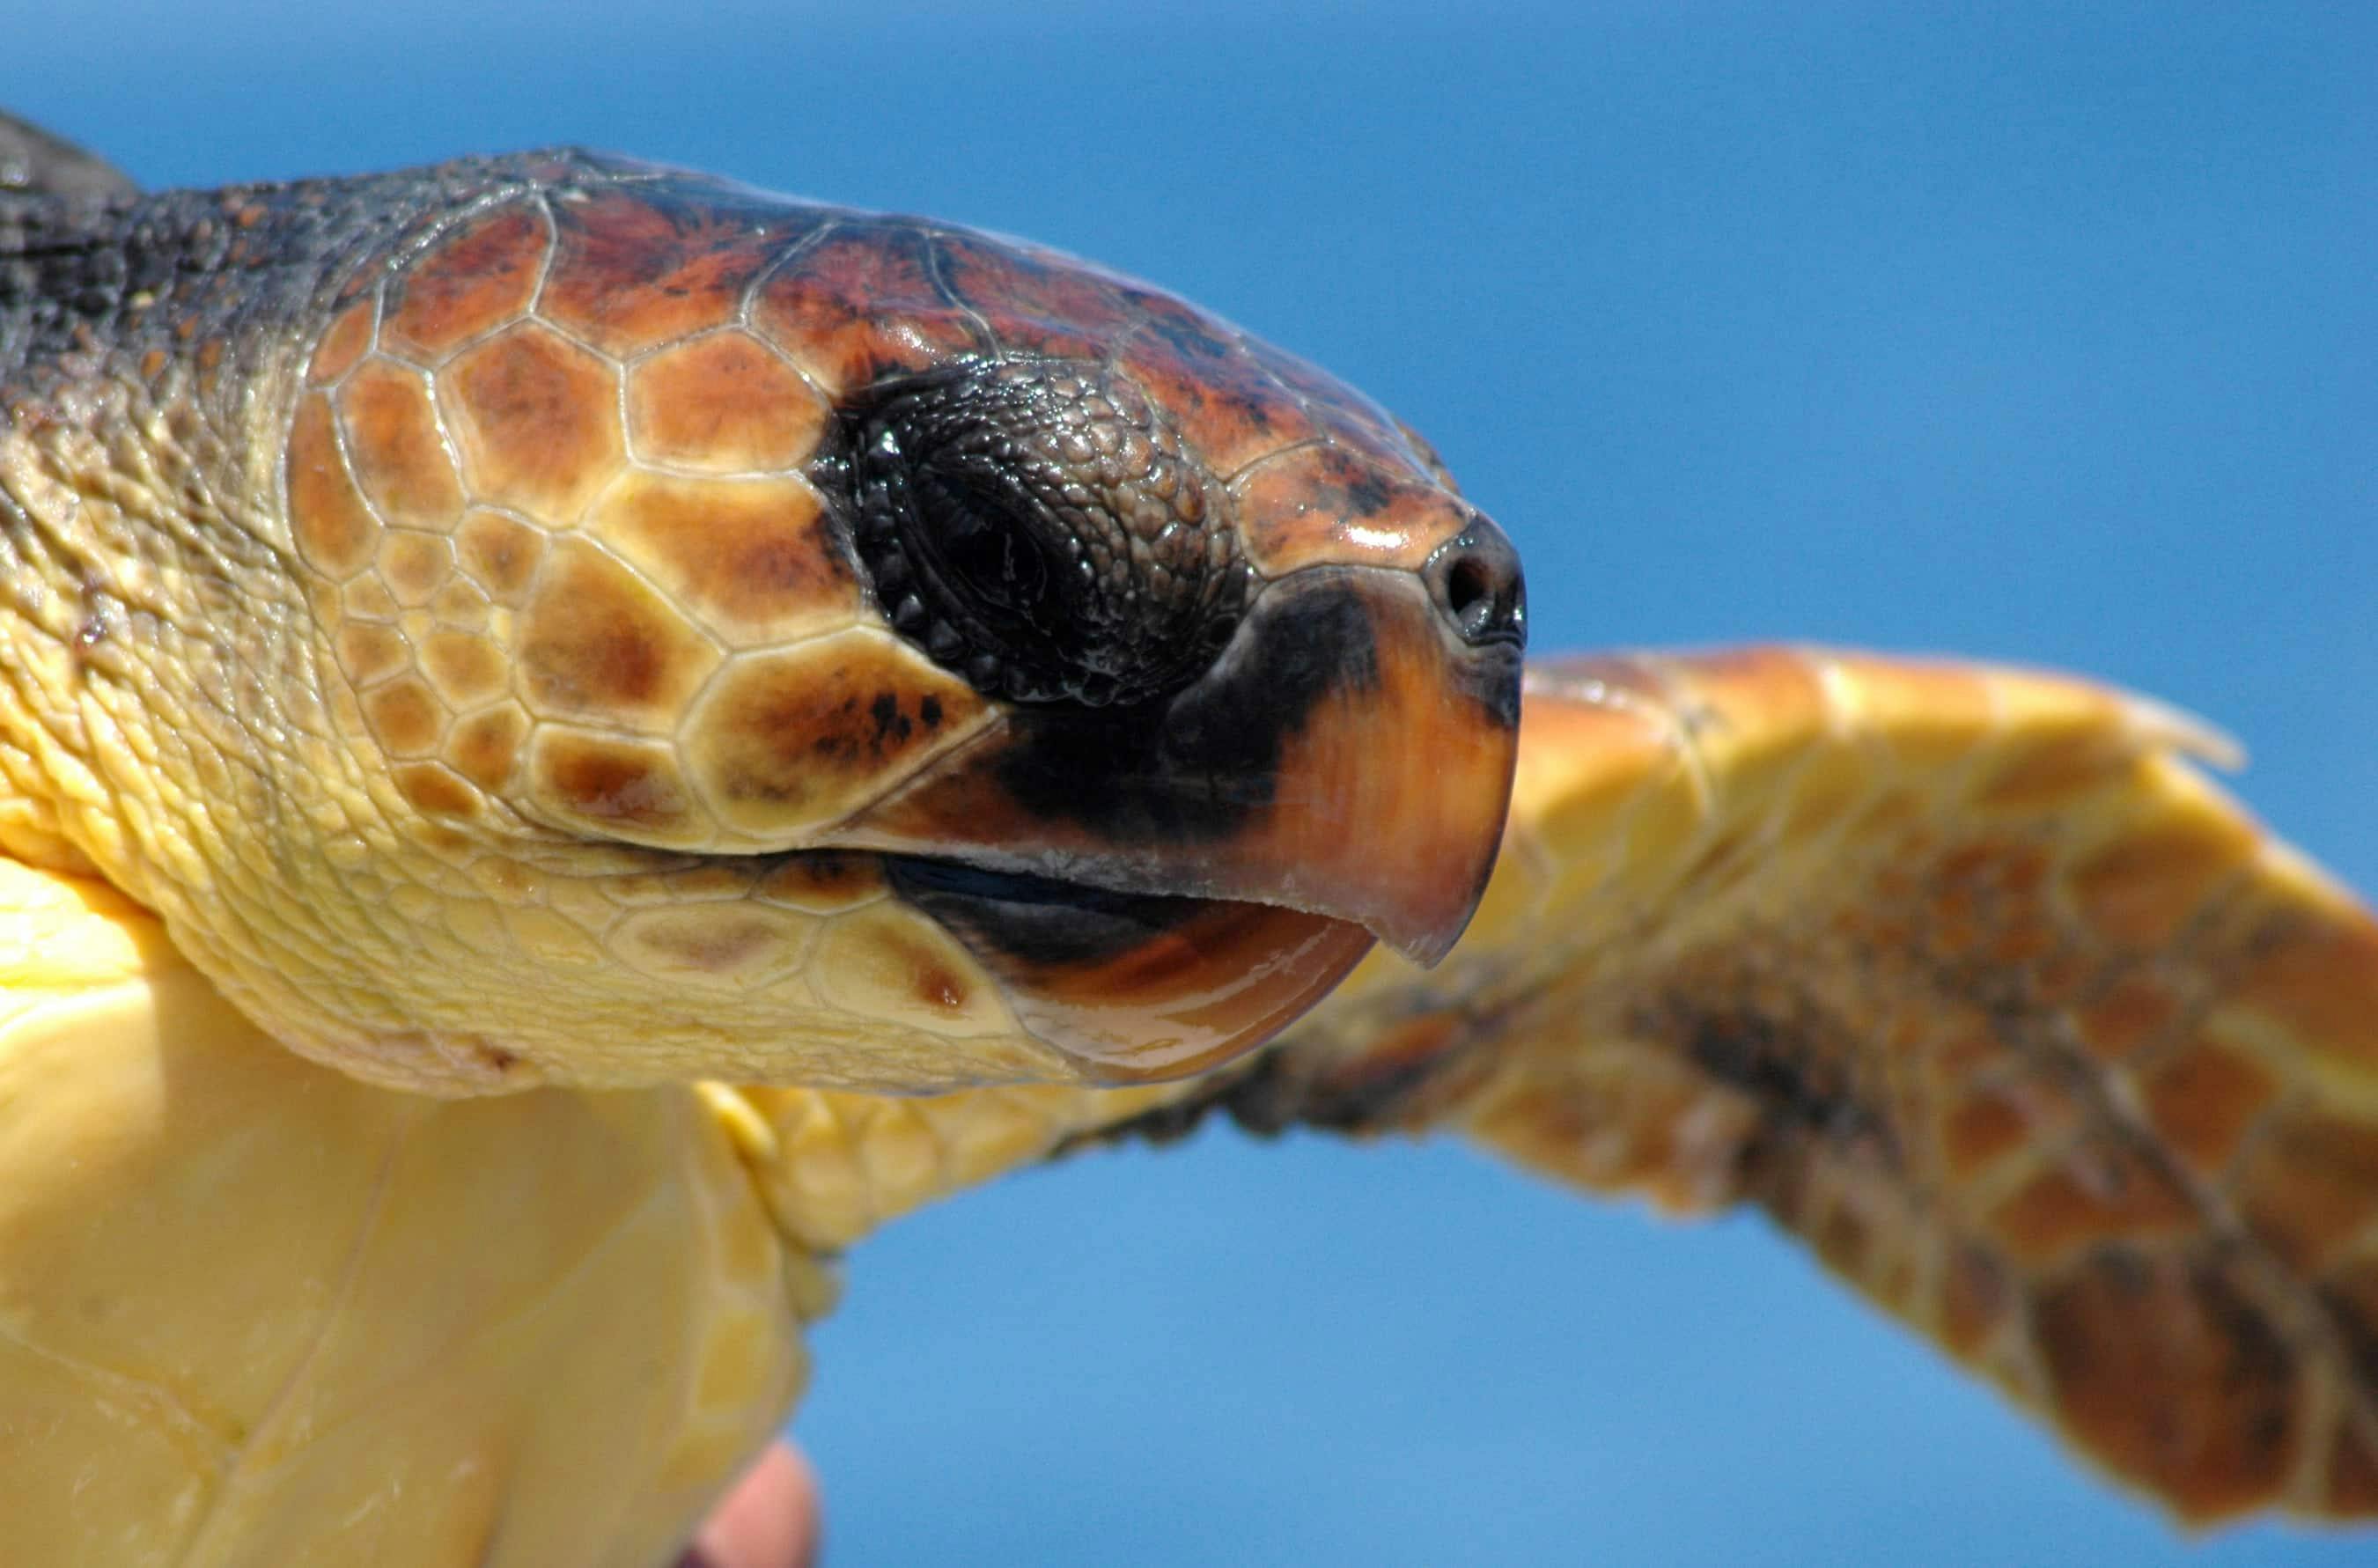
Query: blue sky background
(2023, 329)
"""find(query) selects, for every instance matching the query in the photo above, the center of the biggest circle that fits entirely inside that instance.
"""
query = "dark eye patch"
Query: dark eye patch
(1037, 526)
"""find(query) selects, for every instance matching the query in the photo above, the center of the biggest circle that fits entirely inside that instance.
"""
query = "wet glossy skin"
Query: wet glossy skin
(583, 476)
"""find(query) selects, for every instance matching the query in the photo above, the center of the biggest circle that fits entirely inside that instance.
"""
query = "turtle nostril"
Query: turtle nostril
(1465, 586)
(1474, 577)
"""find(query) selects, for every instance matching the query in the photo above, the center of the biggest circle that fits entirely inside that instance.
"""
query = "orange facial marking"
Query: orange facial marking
(465, 668)
(630, 273)
(1324, 505)
(2309, 1184)
(414, 566)
(859, 303)
(596, 641)
(799, 737)
(393, 438)
(822, 883)
(436, 791)
(624, 788)
(349, 337)
(2221, 1432)
(538, 421)
(752, 559)
(334, 530)
(1228, 411)
(485, 746)
(405, 716)
(472, 281)
(2204, 1099)
(721, 404)
(500, 554)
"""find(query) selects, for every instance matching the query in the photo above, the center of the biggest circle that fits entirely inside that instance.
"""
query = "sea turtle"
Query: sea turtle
(577, 736)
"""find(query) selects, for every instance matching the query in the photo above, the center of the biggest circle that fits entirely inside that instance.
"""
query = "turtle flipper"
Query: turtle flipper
(1972, 980)
(34, 162)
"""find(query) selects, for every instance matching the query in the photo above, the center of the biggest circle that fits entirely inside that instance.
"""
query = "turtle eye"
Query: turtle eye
(1034, 525)
(992, 551)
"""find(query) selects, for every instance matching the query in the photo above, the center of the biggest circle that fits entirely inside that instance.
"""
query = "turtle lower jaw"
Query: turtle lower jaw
(1134, 987)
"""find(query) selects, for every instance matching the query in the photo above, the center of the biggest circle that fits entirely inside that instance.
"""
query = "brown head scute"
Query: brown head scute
(655, 522)
(536, 417)
(482, 277)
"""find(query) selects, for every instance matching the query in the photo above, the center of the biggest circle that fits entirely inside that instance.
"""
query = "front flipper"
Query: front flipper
(1969, 978)
(1966, 976)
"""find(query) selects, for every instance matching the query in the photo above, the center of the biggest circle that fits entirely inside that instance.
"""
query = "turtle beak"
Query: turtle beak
(1349, 755)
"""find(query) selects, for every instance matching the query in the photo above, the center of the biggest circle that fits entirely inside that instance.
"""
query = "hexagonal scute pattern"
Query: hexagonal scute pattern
(550, 468)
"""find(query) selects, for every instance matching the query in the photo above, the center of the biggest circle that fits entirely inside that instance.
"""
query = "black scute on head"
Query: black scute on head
(34, 162)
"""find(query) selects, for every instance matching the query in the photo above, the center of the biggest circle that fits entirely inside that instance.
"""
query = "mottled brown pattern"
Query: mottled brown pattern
(335, 532)
(475, 280)
(413, 566)
(405, 716)
(804, 735)
(2202, 1099)
(721, 404)
(1969, 981)
(393, 442)
(824, 883)
(599, 642)
(2168, 1371)
(1031, 298)
(435, 790)
(755, 560)
(500, 553)
(371, 651)
(2309, 1185)
(636, 268)
(860, 303)
(625, 786)
(485, 746)
(537, 421)
(1344, 414)
(465, 668)
(1227, 407)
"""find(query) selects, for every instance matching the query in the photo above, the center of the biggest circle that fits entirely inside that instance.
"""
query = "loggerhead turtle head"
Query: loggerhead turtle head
(769, 640)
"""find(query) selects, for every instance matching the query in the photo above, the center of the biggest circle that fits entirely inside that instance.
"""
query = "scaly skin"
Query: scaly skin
(443, 610)
(416, 598)
(438, 596)
(1966, 976)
